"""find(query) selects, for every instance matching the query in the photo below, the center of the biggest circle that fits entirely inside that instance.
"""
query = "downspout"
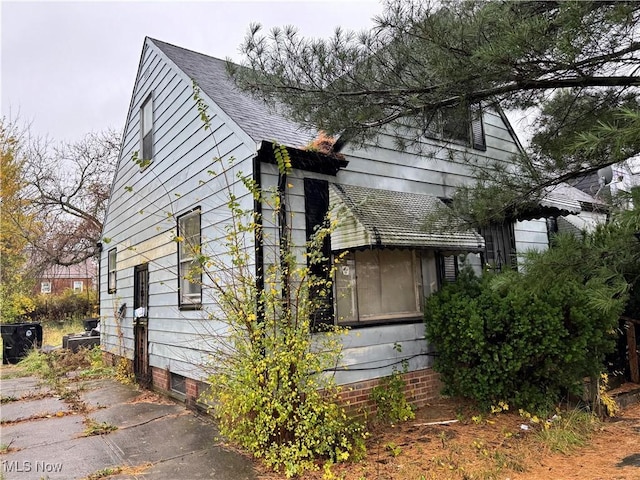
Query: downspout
(99, 249)
(283, 234)
(258, 239)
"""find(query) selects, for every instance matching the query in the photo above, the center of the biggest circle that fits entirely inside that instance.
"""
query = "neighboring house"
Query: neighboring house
(153, 315)
(592, 212)
(57, 279)
(611, 181)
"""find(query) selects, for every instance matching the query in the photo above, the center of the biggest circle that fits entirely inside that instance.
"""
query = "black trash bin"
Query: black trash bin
(18, 339)
(90, 324)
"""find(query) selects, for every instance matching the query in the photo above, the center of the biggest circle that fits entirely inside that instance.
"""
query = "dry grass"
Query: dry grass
(52, 332)
(493, 447)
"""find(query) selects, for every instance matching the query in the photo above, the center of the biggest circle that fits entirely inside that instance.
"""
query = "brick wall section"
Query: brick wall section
(422, 386)
(109, 358)
(192, 392)
(161, 378)
(112, 360)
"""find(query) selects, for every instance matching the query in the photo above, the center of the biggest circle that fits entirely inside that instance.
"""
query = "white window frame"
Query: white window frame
(45, 287)
(78, 286)
(189, 244)
(112, 274)
(349, 292)
(146, 131)
(440, 126)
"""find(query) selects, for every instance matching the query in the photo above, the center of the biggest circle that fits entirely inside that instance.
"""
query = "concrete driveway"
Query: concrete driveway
(141, 435)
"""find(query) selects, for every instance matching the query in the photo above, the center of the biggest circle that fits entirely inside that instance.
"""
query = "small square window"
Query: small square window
(45, 287)
(178, 383)
(78, 285)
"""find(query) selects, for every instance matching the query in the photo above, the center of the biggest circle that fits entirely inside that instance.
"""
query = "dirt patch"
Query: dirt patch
(151, 397)
(491, 446)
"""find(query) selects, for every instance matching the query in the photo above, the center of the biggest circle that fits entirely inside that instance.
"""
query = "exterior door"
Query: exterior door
(141, 324)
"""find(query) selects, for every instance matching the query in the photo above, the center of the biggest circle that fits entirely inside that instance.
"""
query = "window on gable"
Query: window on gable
(378, 285)
(189, 267)
(146, 128)
(500, 246)
(459, 125)
(111, 271)
(455, 124)
(45, 287)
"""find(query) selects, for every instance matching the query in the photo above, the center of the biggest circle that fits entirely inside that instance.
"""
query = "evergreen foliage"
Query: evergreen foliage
(528, 338)
(571, 65)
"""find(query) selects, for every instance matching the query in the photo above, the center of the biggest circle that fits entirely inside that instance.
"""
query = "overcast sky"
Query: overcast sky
(68, 67)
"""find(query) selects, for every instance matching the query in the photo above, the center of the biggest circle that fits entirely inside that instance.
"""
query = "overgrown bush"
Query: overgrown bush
(67, 306)
(268, 389)
(391, 402)
(525, 339)
(267, 383)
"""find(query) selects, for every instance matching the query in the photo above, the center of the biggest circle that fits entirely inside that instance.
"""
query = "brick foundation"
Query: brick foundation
(192, 392)
(112, 360)
(422, 386)
(161, 378)
(109, 358)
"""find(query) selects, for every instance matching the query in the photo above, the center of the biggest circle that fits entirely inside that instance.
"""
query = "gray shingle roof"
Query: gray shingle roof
(251, 114)
(373, 217)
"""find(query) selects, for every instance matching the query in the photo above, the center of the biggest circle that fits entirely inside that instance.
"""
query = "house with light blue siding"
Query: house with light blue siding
(154, 314)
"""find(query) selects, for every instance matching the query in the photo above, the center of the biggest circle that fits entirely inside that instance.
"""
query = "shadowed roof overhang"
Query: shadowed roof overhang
(307, 160)
(369, 217)
(556, 201)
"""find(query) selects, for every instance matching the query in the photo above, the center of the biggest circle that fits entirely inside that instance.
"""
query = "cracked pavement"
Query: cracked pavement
(43, 436)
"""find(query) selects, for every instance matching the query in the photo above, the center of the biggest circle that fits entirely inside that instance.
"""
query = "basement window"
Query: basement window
(178, 383)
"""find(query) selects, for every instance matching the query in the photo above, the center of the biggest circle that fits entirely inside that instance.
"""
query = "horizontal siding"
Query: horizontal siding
(435, 168)
(373, 352)
(141, 219)
(530, 235)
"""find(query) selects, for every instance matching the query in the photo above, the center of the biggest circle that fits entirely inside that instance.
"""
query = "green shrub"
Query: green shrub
(266, 369)
(523, 339)
(391, 402)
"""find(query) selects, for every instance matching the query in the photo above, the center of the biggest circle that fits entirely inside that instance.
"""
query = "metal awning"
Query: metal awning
(369, 217)
(565, 198)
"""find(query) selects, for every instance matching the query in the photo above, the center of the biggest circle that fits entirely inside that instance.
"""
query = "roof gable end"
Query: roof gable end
(252, 115)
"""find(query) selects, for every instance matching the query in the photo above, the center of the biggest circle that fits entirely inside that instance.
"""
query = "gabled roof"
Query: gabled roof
(251, 114)
(369, 217)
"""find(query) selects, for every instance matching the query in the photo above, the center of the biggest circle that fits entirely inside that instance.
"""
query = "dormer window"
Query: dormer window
(458, 125)
(146, 128)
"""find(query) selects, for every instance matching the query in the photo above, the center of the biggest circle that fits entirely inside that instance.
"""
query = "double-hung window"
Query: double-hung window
(111, 269)
(146, 128)
(189, 265)
(78, 285)
(378, 285)
(45, 287)
(459, 124)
